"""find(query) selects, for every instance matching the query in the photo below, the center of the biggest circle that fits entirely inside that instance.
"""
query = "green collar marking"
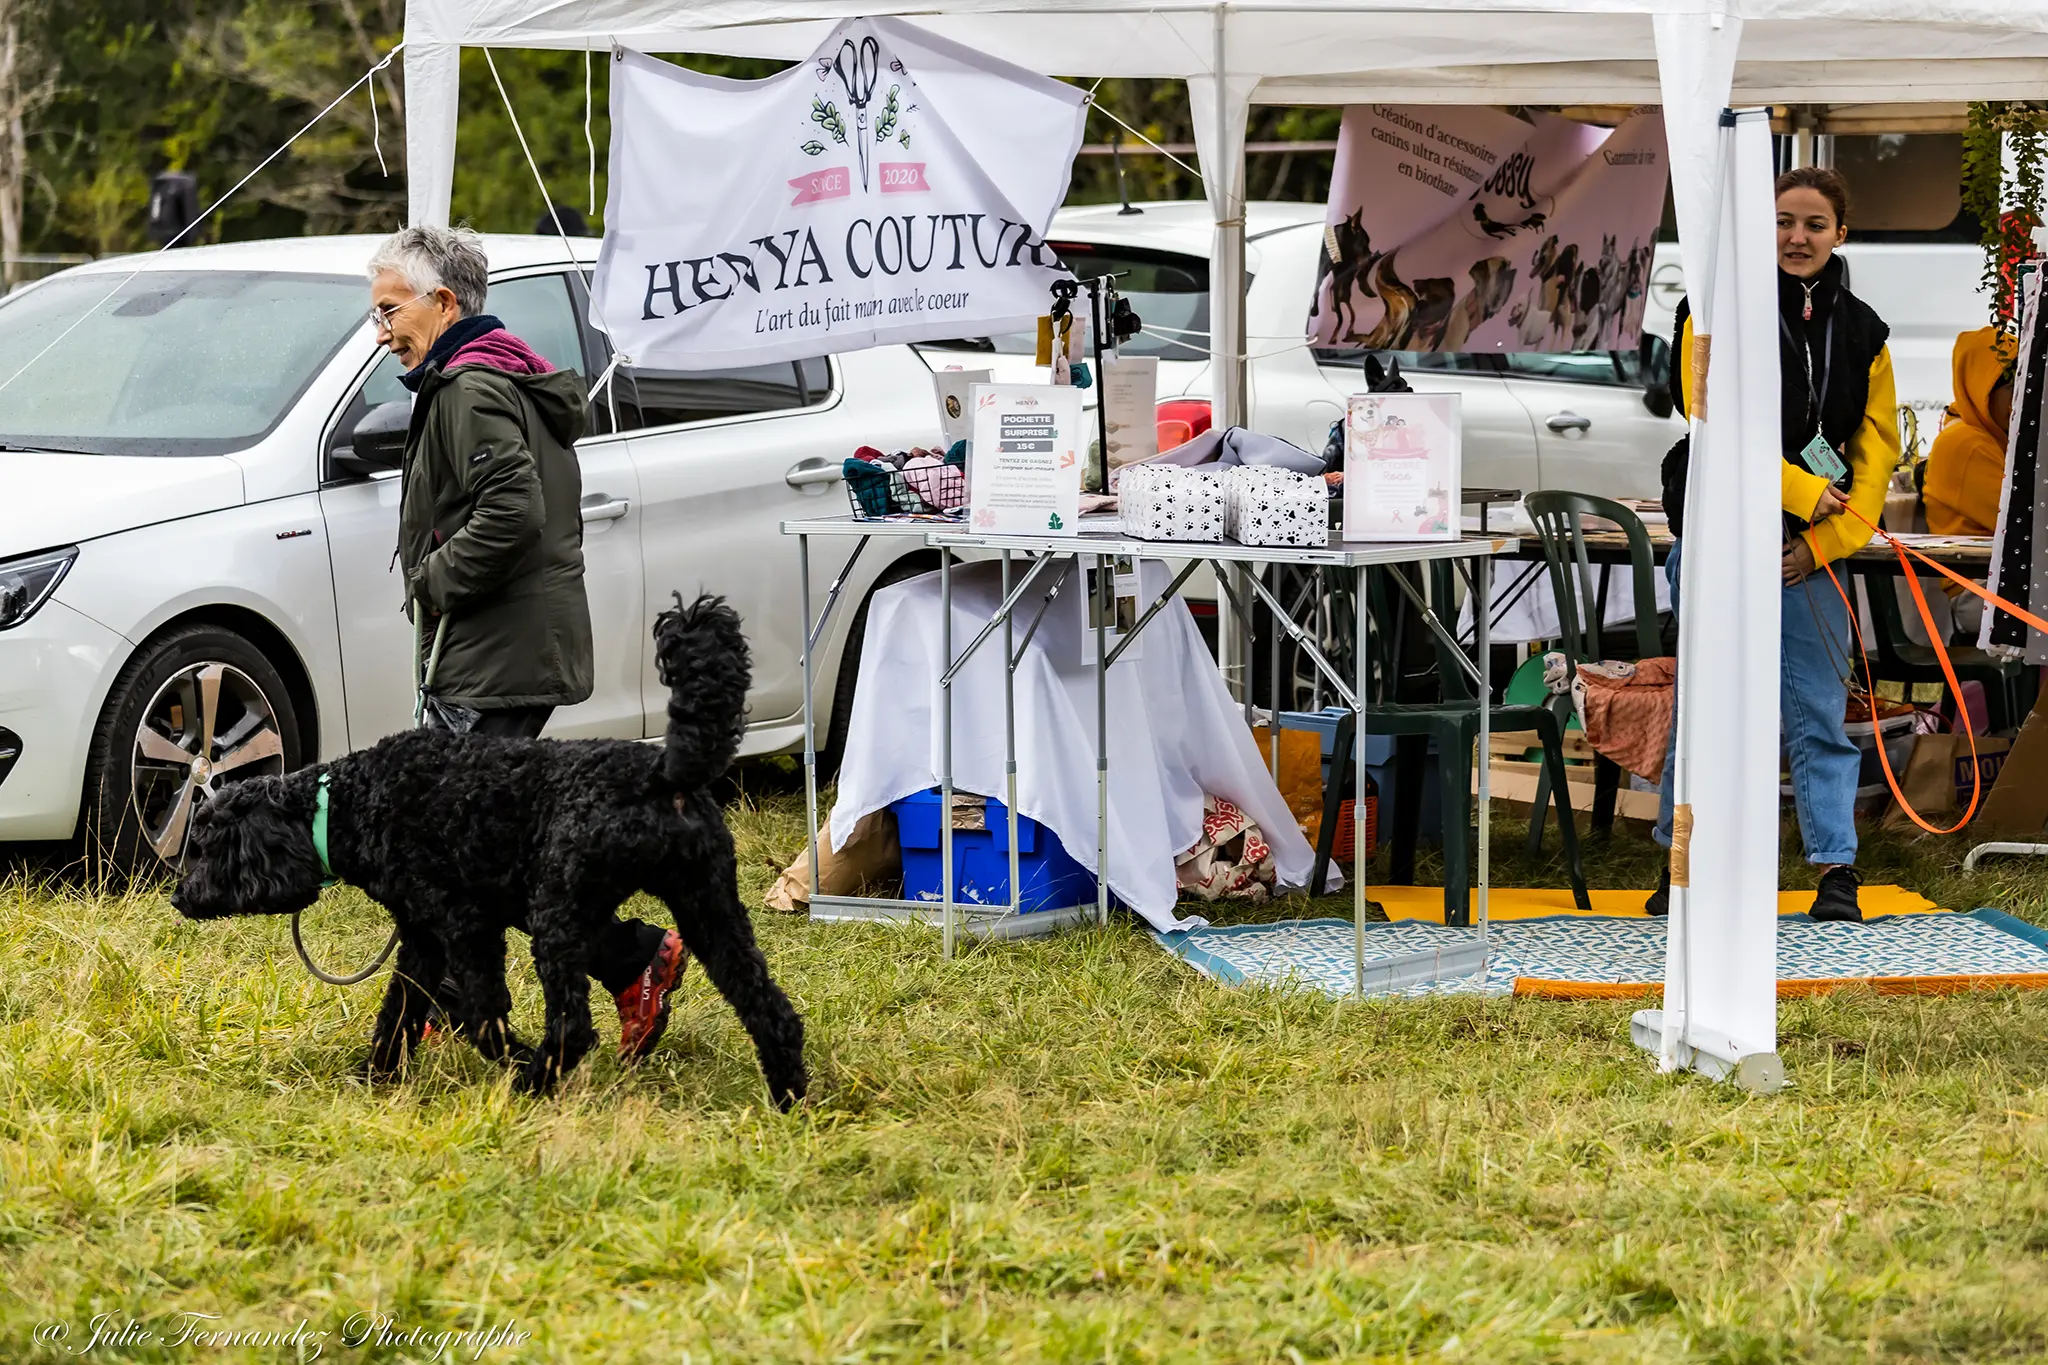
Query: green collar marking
(320, 830)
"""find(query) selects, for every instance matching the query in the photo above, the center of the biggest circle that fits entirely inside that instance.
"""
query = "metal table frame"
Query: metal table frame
(1247, 565)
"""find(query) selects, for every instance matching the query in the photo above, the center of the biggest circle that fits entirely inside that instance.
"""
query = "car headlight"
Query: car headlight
(27, 583)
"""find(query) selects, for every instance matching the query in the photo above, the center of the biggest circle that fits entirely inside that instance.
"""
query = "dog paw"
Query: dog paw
(374, 1069)
(789, 1094)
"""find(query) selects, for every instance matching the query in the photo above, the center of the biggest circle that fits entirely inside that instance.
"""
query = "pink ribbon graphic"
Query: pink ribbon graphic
(904, 177)
(822, 185)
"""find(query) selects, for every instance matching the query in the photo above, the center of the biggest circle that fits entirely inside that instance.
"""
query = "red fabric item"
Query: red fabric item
(500, 350)
(868, 453)
(1626, 709)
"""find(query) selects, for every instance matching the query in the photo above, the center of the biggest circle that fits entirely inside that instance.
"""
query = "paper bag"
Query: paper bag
(1937, 778)
(872, 858)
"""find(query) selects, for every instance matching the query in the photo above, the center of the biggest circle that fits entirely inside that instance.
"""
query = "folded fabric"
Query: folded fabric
(1230, 861)
(1625, 709)
(942, 486)
(1236, 446)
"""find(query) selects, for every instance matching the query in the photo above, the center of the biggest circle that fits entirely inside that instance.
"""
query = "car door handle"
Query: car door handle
(814, 471)
(1568, 421)
(603, 507)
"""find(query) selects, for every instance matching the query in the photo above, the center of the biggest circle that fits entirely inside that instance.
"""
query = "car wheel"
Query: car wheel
(834, 746)
(193, 710)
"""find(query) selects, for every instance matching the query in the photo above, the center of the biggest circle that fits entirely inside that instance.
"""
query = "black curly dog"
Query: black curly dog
(464, 836)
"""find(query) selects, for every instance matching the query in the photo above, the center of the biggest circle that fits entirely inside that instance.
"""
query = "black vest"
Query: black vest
(1859, 335)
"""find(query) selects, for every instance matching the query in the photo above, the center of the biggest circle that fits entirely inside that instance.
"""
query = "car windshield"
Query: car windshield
(170, 362)
(1168, 291)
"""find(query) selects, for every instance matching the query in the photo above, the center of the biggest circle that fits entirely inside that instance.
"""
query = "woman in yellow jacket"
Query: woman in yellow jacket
(1966, 466)
(1840, 441)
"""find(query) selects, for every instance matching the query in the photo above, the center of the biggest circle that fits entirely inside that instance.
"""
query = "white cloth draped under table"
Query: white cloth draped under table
(1174, 732)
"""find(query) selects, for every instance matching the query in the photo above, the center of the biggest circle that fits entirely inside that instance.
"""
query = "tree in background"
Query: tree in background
(107, 93)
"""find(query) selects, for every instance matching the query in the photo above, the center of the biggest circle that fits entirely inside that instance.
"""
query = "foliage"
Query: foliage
(2005, 193)
(215, 86)
(1067, 1150)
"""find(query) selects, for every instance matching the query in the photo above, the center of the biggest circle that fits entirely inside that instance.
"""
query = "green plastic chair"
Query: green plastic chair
(1453, 722)
(1560, 528)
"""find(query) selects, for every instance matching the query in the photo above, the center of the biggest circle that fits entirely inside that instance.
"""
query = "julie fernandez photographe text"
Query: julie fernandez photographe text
(112, 1334)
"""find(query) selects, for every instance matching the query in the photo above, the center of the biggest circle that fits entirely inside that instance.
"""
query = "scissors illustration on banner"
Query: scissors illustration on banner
(859, 66)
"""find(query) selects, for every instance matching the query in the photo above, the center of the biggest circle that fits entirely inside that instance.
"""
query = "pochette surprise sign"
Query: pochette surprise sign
(896, 187)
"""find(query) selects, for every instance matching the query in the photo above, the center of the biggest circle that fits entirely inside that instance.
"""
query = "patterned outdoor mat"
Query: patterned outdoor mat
(1576, 956)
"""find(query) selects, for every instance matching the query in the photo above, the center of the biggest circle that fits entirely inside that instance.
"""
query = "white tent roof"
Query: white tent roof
(1295, 51)
(1804, 51)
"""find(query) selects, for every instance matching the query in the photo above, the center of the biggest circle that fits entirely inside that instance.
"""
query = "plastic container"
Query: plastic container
(981, 859)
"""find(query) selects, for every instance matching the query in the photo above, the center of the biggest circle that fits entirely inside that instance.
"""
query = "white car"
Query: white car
(198, 512)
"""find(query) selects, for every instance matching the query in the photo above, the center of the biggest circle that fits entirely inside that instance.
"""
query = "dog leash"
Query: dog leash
(419, 710)
(1934, 635)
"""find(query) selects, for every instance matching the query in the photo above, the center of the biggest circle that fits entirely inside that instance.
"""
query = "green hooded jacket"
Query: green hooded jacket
(490, 530)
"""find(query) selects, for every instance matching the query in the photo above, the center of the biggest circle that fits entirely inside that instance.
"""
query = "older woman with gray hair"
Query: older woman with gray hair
(490, 535)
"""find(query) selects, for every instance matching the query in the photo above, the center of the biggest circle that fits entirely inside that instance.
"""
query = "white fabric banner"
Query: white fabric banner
(1467, 229)
(895, 187)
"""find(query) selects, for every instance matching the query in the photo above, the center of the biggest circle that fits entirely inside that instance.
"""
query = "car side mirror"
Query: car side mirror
(378, 442)
(1654, 357)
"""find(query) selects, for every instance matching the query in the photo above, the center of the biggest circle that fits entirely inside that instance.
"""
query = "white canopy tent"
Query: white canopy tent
(1696, 57)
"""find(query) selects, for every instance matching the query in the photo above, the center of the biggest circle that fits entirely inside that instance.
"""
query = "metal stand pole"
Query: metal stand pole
(1358, 779)
(803, 573)
(1244, 639)
(946, 754)
(1010, 743)
(1103, 602)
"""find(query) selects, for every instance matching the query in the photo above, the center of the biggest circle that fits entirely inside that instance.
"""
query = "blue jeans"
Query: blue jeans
(1815, 652)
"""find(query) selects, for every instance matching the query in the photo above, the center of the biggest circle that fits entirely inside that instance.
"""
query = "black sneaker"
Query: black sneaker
(1836, 901)
(1659, 903)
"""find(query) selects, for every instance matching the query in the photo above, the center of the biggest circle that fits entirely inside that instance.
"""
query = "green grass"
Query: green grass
(1069, 1150)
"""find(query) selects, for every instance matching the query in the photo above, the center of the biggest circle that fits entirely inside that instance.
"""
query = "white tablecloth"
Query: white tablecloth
(1174, 732)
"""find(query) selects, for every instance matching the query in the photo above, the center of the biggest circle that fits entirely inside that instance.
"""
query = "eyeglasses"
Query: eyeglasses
(381, 315)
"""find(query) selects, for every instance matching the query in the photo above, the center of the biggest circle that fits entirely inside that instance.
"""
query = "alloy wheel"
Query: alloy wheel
(209, 723)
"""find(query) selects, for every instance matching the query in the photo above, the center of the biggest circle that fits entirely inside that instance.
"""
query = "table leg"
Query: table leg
(946, 756)
(1010, 742)
(803, 573)
(1273, 685)
(1358, 778)
(1102, 602)
(1482, 608)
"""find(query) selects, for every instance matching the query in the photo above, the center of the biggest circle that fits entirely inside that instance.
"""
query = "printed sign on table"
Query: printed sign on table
(1462, 228)
(954, 390)
(1024, 467)
(1402, 457)
(895, 187)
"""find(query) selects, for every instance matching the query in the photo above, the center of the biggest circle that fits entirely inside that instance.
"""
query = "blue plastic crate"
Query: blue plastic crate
(981, 859)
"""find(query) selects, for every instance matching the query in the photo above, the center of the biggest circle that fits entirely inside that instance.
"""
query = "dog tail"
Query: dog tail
(700, 651)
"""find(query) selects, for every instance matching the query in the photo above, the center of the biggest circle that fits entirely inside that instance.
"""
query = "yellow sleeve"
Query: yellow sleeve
(1873, 454)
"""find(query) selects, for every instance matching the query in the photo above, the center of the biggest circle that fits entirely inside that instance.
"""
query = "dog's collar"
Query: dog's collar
(320, 830)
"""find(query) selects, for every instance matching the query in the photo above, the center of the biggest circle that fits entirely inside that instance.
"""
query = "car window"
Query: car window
(662, 398)
(167, 362)
(1575, 367)
(1443, 362)
(1168, 291)
(536, 308)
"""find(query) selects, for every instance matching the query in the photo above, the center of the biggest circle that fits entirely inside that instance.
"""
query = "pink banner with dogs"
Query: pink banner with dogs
(1462, 228)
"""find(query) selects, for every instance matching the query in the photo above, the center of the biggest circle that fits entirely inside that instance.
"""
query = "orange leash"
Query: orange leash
(1948, 671)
